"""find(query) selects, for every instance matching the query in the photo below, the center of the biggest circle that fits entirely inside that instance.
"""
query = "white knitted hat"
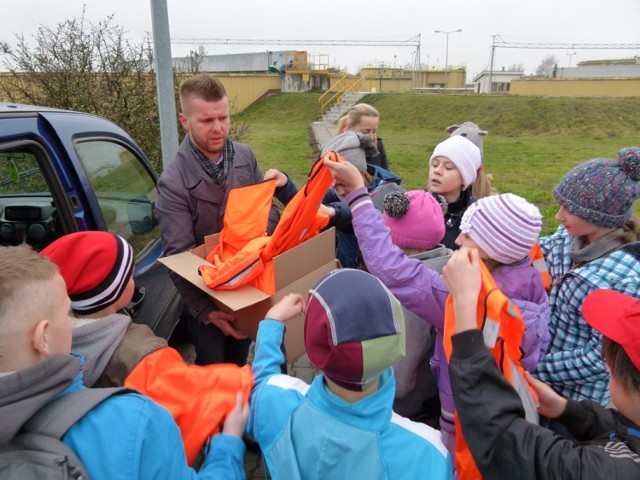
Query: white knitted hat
(505, 226)
(464, 155)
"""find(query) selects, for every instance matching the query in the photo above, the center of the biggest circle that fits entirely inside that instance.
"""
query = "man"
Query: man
(192, 200)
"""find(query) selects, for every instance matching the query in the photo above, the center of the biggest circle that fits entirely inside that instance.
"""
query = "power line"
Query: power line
(411, 42)
(568, 46)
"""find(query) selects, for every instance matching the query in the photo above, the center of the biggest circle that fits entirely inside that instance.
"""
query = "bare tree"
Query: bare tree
(547, 66)
(90, 67)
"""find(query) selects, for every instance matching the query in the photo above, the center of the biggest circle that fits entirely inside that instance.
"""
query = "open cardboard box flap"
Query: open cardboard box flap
(296, 271)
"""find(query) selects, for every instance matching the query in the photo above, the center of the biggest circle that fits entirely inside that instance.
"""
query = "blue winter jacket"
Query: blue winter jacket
(131, 437)
(308, 432)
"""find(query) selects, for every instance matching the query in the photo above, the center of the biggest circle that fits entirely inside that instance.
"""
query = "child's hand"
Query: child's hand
(461, 275)
(280, 178)
(551, 405)
(328, 211)
(347, 177)
(236, 420)
(290, 306)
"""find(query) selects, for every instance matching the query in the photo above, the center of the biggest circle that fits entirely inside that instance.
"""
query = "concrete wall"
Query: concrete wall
(235, 62)
(567, 87)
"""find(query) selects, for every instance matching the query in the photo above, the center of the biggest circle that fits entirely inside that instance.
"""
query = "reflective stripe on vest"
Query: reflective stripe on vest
(539, 263)
(502, 328)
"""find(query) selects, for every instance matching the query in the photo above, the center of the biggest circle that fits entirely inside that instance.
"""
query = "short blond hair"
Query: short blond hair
(202, 86)
(26, 289)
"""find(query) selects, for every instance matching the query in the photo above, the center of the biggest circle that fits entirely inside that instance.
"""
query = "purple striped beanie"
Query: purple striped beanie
(505, 226)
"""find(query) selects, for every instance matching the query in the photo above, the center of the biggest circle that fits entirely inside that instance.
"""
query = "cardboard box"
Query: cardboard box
(296, 271)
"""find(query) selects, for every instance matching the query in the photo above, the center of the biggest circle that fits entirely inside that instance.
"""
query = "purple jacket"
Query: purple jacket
(190, 206)
(423, 291)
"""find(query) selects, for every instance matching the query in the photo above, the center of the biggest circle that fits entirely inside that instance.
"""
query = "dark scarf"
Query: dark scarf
(217, 173)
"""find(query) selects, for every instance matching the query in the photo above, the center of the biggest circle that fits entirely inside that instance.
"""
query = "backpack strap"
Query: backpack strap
(42, 433)
(61, 414)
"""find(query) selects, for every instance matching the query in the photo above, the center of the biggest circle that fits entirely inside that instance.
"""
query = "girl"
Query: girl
(363, 118)
(483, 186)
(453, 168)
(503, 228)
(595, 247)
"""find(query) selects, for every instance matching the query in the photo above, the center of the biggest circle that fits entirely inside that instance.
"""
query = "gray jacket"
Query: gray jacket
(190, 206)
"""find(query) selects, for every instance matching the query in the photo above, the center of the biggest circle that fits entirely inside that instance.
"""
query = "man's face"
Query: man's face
(208, 124)
(60, 323)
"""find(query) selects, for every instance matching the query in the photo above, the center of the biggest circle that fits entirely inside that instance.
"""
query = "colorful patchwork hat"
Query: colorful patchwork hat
(354, 328)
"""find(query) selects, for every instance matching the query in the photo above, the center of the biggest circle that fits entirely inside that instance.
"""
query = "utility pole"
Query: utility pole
(493, 50)
(446, 56)
(164, 81)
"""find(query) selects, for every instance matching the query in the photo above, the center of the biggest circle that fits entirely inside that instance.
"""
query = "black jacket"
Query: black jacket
(504, 445)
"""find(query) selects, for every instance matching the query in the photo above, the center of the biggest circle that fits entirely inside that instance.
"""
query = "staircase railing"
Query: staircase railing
(346, 84)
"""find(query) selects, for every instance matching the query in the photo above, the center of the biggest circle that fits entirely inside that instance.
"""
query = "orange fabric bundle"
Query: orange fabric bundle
(250, 262)
(198, 397)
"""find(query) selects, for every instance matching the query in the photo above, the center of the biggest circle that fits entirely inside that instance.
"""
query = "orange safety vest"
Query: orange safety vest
(539, 263)
(502, 328)
(198, 397)
(244, 253)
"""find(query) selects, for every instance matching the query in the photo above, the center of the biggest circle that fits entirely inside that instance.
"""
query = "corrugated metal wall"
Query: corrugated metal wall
(244, 89)
(584, 87)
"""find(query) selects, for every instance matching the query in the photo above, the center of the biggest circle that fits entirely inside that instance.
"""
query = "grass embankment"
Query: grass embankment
(532, 142)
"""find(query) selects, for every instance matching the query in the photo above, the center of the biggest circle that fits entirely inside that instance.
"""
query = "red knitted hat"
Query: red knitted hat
(96, 266)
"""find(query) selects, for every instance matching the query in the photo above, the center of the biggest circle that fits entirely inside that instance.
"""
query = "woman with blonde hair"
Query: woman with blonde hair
(363, 118)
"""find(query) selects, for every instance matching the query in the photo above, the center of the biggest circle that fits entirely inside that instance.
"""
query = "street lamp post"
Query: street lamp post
(446, 56)
(570, 57)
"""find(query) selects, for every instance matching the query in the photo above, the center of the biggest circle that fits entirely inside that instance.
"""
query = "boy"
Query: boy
(502, 443)
(97, 268)
(127, 435)
(342, 425)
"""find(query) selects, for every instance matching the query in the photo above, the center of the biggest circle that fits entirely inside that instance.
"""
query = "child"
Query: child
(416, 225)
(364, 119)
(503, 228)
(342, 425)
(356, 149)
(483, 186)
(97, 268)
(127, 435)
(502, 442)
(595, 247)
(453, 168)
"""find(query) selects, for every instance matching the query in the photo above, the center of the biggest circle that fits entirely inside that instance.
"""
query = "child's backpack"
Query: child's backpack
(37, 451)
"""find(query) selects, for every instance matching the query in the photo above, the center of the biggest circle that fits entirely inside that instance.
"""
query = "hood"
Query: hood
(24, 392)
(96, 341)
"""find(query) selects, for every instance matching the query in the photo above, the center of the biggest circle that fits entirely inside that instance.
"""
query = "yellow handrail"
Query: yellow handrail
(343, 87)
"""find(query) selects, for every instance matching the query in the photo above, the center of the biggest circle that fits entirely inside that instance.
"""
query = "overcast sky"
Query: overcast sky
(521, 21)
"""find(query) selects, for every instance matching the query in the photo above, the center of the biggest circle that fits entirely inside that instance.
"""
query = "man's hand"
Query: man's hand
(551, 405)
(236, 420)
(347, 177)
(280, 178)
(461, 275)
(223, 321)
(289, 307)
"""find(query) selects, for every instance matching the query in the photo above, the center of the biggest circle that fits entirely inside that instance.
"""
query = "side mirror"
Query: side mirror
(142, 215)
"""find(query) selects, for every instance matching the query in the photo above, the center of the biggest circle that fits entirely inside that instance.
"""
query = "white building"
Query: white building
(500, 80)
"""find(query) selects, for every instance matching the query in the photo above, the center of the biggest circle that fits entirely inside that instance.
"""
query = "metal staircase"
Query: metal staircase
(345, 94)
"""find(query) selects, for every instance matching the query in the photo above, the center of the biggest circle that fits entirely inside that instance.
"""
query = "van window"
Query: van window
(125, 190)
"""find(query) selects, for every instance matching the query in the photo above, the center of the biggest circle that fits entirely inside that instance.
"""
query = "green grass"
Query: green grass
(532, 141)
